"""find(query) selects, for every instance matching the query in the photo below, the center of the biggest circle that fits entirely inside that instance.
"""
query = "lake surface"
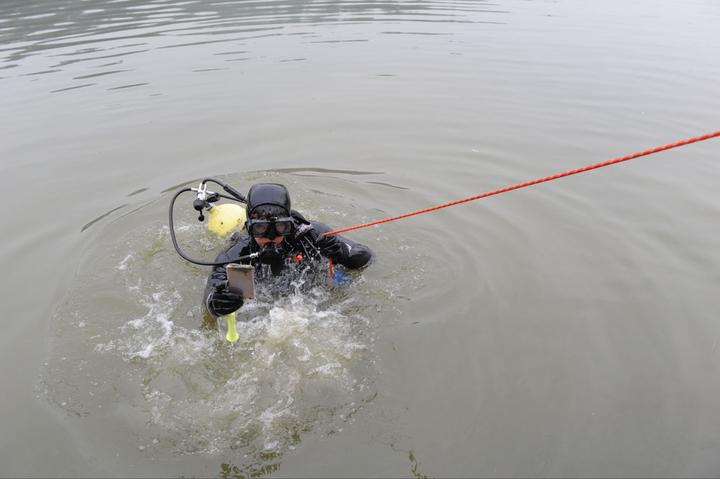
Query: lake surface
(568, 329)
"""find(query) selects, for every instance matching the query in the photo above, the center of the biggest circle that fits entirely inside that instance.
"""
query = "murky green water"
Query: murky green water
(565, 330)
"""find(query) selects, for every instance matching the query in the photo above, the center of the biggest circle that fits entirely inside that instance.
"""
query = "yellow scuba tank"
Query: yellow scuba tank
(225, 218)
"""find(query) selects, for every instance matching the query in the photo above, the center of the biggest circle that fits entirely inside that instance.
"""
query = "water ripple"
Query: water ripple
(64, 46)
(27, 30)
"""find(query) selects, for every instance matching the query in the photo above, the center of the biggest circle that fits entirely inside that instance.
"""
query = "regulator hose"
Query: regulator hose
(240, 198)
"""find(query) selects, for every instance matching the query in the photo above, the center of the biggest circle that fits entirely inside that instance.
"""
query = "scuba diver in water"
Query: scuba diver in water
(287, 244)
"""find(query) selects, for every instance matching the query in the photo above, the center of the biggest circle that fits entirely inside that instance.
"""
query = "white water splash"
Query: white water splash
(123, 265)
(141, 337)
(300, 364)
(294, 368)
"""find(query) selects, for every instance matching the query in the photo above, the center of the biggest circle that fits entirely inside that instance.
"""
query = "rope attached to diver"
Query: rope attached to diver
(536, 181)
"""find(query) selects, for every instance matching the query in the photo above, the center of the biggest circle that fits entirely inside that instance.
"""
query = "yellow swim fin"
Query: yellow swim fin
(232, 334)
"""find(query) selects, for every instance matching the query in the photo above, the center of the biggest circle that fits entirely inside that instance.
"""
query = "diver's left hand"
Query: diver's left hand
(332, 248)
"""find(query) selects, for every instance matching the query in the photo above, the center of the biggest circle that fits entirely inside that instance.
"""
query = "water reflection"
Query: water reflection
(95, 30)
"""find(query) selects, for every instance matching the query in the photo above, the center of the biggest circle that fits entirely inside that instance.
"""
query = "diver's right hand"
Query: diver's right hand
(222, 300)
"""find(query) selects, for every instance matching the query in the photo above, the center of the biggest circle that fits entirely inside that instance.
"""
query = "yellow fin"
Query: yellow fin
(232, 334)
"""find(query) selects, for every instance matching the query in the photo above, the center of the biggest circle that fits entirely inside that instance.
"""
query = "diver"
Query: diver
(287, 243)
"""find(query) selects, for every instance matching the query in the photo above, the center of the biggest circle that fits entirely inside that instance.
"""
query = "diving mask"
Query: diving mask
(270, 228)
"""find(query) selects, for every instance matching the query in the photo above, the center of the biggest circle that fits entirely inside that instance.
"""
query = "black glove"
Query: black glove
(222, 300)
(332, 248)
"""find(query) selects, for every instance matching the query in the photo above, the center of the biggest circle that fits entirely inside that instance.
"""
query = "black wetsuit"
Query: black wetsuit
(300, 256)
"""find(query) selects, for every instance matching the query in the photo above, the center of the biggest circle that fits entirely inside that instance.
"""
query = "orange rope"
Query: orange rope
(575, 171)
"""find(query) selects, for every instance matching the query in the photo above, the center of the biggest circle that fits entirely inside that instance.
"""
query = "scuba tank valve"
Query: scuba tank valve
(222, 218)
